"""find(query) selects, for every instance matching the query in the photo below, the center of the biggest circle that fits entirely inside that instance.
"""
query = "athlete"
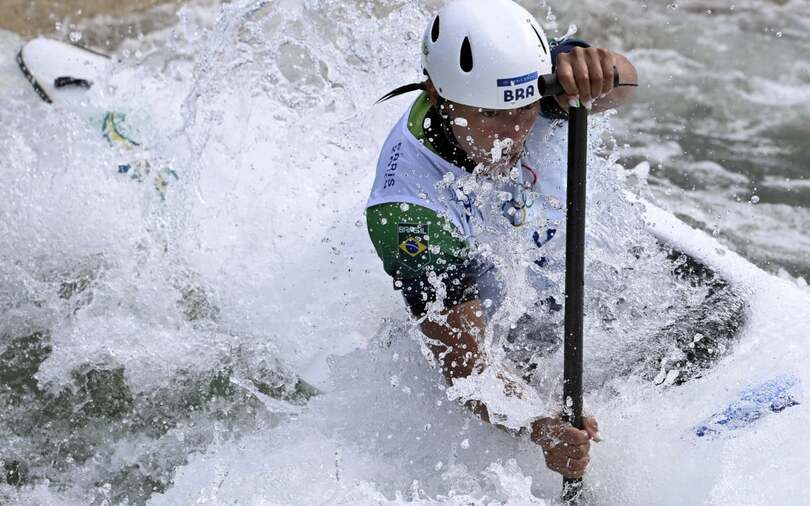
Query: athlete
(427, 215)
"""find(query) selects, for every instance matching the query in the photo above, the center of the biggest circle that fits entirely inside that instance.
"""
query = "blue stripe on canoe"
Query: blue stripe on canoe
(755, 402)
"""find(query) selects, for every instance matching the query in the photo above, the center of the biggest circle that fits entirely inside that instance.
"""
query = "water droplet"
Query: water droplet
(404, 206)
(75, 36)
(672, 375)
(462, 122)
(426, 123)
(465, 444)
(672, 6)
(572, 30)
(487, 303)
(423, 195)
(398, 284)
(778, 35)
(358, 223)
(383, 221)
(754, 199)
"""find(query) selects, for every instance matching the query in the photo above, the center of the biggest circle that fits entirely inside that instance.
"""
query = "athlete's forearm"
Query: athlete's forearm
(454, 342)
(501, 400)
(509, 404)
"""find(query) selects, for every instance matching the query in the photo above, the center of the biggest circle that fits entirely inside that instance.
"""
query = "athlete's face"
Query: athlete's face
(492, 137)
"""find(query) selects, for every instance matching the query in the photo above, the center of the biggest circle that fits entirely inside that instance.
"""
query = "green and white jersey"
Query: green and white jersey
(421, 215)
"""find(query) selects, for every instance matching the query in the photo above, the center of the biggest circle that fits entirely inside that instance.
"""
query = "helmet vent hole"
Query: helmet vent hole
(466, 55)
(542, 44)
(434, 31)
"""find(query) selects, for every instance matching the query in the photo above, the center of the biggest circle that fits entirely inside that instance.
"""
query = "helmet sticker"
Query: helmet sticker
(518, 88)
(514, 81)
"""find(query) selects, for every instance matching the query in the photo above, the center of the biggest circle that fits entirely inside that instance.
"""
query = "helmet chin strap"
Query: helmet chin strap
(446, 123)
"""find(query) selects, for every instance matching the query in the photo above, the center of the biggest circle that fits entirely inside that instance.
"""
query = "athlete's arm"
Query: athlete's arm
(455, 346)
(419, 249)
(454, 343)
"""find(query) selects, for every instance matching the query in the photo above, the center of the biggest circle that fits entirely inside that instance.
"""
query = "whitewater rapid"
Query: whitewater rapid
(157, 346)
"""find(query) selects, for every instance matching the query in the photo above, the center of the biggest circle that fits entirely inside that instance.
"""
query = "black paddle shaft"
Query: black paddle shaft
(574, 266)
(575, 263)
(574, 278)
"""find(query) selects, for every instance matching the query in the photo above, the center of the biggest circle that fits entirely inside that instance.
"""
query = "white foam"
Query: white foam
(275, 158)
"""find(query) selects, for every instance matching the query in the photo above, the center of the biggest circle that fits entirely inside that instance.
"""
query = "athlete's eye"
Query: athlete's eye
(489, 113)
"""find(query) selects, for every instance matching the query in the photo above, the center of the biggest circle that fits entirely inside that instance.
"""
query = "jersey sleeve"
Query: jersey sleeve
(564, 46)
(413, 242)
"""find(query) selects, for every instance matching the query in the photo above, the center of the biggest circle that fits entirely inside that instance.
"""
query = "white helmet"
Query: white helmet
(486, 53)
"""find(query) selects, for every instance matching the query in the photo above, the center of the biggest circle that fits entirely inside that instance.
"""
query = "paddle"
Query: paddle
(574, 268)
(574, 278)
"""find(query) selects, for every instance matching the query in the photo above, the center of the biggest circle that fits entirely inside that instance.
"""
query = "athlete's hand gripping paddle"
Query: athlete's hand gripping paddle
(549, 86)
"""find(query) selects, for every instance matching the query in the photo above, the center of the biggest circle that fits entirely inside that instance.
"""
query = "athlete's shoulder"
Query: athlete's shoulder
(412, 239)
(408, 171)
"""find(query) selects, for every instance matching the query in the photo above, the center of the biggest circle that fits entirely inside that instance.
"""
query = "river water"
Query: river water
(152, 347)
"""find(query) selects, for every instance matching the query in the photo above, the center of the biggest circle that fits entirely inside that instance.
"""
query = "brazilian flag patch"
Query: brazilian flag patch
(413, 245)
